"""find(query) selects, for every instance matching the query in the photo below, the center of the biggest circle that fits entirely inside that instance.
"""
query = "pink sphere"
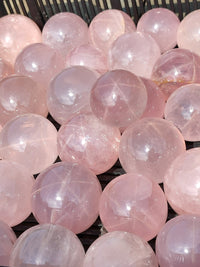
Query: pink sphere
(149, 146)
(64, 32)
(16, 32)
(120, 249)
(66, 194)
(177, 244)
(129, 52)
(135, 204)
(6, 69)
(86, 140)
(69, 93)
(31, 140)
(107, 26)
(47, 245)
(118, 98)
(15, 195)
(162, 25)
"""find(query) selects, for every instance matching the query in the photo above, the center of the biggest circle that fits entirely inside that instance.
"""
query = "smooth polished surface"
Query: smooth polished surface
(149, 146)
(47, 245)
(133, 203)
(119, 249)
(6, 69)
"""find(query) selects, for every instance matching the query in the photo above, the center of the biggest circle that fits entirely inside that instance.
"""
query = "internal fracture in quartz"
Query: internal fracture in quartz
(6, 69)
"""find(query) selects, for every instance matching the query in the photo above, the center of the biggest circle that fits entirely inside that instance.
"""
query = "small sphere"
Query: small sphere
(129, 52)
(15, 196)
(16, 32)
(118, 98)
(84, 139)
(162, 24)
(133, 203)
(31, 140)
(66, 194)
(149, 146)
(69, 93)
(6, 69)
(120, 249)
(47, 245)
(177, 244)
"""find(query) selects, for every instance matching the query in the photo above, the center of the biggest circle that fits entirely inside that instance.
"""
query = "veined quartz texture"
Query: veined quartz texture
(6, 69)
(119, 249)
(149, 146)
(30, 140)
(133, 203)
(47, 245)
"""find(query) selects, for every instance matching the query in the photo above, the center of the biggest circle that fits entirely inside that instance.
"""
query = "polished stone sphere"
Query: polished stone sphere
(6, 69)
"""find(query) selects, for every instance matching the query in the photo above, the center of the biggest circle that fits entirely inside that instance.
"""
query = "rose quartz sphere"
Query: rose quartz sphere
(47, 245)
(118, 98)
(67, 194)
(162, 25)
(134, 203)
(177, 244)
(69, 93)
(149, 146)
(175, 68)
(107, 26)
(87, 140)
(16, 32)
(136, 52)
(20, 95)
(119, 249)
(40, 62)
(64, 32)
(15, 194)
(6, 69)
(31, 140)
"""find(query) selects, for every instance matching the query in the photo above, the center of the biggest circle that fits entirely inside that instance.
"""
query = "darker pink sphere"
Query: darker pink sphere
(149, 146)
(6, 69)
(66, 194)
(133, 203)
(118, 98)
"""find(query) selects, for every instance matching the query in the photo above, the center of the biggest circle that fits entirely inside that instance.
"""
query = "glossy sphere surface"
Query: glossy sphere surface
(67, 194)
(177, 244)
(86, 140)
(133, 203)
(64, 32)
(20, 95)
(107, 26)
(47, 245)
(162, 25)
(149, 146)
(118, 249)
(6, 69)
(181, 183)
(175, 68)
(136, 52)
(69, 93)
(31, 140)
(40, 62)
(15, 194)
(16, 32)
(118, 98)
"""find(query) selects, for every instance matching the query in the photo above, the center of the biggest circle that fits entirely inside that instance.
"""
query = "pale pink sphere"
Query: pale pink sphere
(16, 32)
(31, 140)
(136, 52)
(107, 26)
(64, 32)
(177, 244)
(175, 68)
(67, 194)
(6, 69)
(119, 249)
(40, 62)
(69, 93)
(47, 245)
(86, 140)
(133, 203)
(149, 146)
(15, 194)
(118, 98)
(162, 25)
